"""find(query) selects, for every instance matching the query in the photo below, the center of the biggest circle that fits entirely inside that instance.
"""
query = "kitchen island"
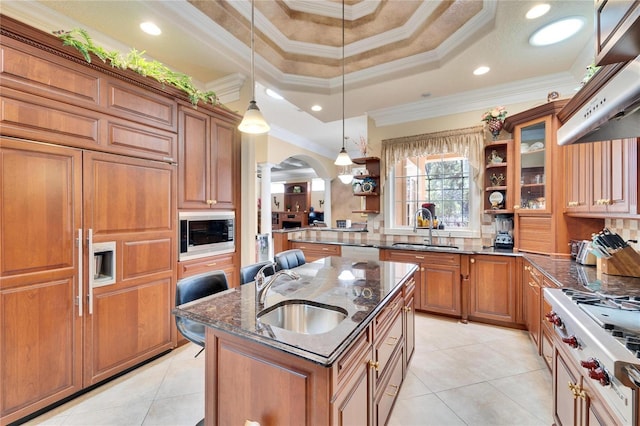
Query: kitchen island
(349, 374)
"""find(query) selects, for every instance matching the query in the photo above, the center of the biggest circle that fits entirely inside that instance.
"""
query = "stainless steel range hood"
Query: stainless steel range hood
(612, 112)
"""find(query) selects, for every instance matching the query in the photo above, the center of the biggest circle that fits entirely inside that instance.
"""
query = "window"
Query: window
(444, 180)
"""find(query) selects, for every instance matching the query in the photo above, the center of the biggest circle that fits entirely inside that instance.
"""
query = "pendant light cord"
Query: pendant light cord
(343, 136)
(253, 78)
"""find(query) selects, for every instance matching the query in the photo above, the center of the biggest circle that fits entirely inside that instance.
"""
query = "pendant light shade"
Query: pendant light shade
(343, 159)
(253, 122)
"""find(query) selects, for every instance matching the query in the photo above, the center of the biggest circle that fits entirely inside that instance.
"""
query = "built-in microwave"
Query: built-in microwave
(206, 234)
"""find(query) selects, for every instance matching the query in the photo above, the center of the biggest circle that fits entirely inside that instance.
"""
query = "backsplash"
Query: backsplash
(628, 229)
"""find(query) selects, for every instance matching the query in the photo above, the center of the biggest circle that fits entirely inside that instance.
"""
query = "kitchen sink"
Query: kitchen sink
(303, 316)
(418, 246)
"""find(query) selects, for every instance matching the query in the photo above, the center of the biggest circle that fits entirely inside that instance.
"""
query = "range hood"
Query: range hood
(612, 112)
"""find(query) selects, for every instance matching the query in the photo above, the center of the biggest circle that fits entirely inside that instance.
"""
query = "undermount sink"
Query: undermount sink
(418, 246)
(303, 316)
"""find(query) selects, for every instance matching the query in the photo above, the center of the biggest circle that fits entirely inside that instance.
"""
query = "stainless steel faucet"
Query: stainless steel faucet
(415, 223)
(263, 287)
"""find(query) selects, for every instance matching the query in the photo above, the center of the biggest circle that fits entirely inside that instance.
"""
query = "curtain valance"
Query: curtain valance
(467, 142)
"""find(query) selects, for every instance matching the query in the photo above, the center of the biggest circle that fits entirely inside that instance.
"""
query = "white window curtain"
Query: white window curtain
(467, 142)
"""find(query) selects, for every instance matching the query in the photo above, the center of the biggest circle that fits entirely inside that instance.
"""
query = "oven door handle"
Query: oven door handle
(633, 374)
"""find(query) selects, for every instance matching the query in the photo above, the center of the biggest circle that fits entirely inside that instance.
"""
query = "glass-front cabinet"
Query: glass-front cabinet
(532, 140)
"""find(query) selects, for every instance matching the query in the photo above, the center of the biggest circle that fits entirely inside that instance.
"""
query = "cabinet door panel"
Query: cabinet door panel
(440, 291)
(130, 202)
(193, 161)
(41, 332)
(493, 283)
(223, 164)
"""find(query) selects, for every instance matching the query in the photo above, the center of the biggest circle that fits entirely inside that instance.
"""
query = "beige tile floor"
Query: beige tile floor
(460, 374)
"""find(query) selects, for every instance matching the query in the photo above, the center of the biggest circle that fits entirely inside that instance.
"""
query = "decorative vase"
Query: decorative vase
(495, 125)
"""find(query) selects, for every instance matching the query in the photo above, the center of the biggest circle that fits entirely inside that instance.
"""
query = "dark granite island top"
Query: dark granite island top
(361, 288)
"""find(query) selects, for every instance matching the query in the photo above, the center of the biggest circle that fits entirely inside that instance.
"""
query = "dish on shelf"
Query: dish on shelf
(524, 147)
(496, 198)
(536, 146)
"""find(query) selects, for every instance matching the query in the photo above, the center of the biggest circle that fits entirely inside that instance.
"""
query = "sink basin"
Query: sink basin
(303, 316)
(417, 246)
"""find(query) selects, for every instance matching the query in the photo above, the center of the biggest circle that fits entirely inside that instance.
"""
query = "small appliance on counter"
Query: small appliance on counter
(504, 232)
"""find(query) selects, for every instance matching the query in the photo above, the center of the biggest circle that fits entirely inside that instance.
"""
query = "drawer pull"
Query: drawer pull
(407, 308)
(419, 257)
(395, 388)
(374, 365)
(325, 249)
(393, 341)
(212, 264)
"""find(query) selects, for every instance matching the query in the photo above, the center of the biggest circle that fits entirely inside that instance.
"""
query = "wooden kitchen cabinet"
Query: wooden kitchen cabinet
(578, 175)
(224, 262)
(438, 287)
(574, 402)
(498, 176)
(409, 315)
(532, 287)
(208, 161)
(369, 199)
(297, 199)
(77, 330)
(494, 285)
(617, 27)
(315, 251)
(540, 225)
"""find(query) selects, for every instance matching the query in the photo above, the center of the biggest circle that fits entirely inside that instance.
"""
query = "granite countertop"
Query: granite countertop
(359, 287)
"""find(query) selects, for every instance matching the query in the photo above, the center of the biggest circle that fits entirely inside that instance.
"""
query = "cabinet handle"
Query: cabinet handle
(80, 271)
(211, 202)
(419, 257)
(422, 269)
(472, 260)
(211, 264)
(392, 394)
(516, 207)
(374, 364)
(407, 308)
(91, 268)
(527, 268)
(325, 249)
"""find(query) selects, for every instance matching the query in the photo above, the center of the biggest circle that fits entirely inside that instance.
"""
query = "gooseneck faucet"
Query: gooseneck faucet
(415, 223)
(263, 287)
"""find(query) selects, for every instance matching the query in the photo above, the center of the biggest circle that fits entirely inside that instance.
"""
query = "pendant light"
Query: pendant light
(253, 122)
(343, 159)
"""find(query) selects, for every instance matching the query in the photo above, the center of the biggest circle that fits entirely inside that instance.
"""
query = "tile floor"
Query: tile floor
(460, 374)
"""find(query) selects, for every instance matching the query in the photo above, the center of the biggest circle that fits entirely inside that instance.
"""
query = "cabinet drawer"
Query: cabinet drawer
(387, 344)
(198, 266)
(359, 353)
(327, 249)
(386, 316)
(389, 392)
(422, 257)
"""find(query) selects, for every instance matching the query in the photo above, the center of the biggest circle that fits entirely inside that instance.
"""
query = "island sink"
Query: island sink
(302, 316)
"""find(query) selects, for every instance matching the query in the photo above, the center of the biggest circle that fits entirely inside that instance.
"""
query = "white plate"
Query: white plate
(524, 147)
(536, 146)
(496, 198)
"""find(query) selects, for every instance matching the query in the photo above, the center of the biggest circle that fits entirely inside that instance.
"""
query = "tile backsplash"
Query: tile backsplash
(628, 229)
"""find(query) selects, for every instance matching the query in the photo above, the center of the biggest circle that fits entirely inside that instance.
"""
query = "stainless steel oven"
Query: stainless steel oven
(206, 234)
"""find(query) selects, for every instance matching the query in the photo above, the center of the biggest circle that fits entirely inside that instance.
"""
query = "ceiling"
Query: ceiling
(404, 59)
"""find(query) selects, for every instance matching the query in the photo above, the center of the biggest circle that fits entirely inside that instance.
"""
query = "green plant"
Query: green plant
(135, 61)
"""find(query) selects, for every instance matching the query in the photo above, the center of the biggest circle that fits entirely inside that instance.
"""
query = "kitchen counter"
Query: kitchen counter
(361, 288)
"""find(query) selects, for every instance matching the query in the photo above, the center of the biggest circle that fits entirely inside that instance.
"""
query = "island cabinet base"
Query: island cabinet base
(249, 380)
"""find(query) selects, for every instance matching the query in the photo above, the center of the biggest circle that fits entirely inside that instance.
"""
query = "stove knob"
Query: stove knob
(591, 364)
(554, 319)
(600, 375)
(617, 333)
(571, 341)
(608, 326)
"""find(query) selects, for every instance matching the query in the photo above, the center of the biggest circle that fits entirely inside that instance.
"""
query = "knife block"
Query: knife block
(625, 262)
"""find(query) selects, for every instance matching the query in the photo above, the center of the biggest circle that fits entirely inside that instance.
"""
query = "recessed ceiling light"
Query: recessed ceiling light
(150, 28)
(481, 70)
(556, 31)
(537, 11)
(274, 94)
(316, 108)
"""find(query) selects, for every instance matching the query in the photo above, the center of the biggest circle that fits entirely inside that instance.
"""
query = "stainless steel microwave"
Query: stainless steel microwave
(206, 234)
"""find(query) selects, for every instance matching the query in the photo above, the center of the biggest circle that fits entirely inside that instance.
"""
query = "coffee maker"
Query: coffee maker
(504, 232)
